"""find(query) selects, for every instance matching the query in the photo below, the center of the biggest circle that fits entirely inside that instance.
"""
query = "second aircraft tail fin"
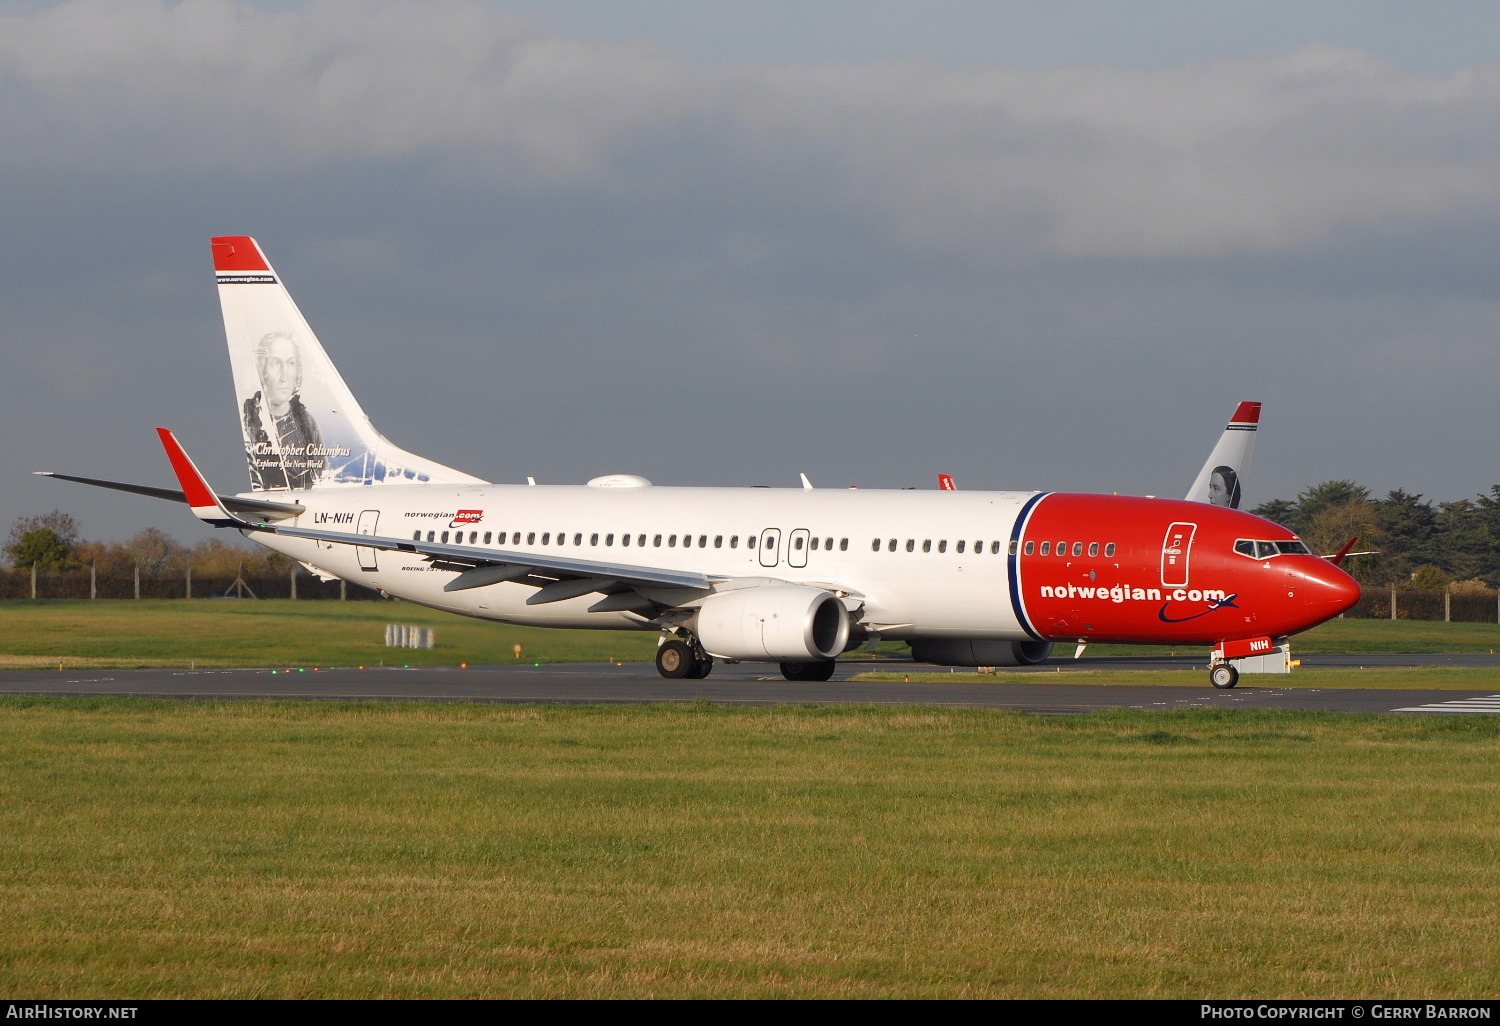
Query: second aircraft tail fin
(1221, 480)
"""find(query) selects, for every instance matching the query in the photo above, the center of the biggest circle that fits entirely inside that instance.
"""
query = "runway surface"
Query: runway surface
(758, 684)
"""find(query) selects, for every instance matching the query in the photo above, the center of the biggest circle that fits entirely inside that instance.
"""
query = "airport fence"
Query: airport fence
(87, 582)
(1387, 603)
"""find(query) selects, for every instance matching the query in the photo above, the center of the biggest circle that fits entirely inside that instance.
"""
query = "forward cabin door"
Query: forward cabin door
(365, 554)
(1175, 550)
(770, 546)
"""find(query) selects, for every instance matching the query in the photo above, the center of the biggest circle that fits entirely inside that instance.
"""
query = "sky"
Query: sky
(1037, 246)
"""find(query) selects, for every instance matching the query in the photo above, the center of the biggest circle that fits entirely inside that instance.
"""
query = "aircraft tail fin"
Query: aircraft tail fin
(1221, 480)
(302, 426)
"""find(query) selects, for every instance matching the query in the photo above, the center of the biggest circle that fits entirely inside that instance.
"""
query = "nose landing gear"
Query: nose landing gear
(1223, 676)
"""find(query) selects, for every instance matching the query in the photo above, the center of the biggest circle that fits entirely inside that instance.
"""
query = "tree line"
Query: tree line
(53, 543)
(1417, 543)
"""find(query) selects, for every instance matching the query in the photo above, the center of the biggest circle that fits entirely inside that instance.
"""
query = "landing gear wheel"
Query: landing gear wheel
(675, 660)
(1224, 676)
(704, 668)
(821, 669)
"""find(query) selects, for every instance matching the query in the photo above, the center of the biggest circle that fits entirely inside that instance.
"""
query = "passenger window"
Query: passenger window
(815, 544)
(445, 536)
(734, 541)
(943, 545)
(1046, 548)
(530, 537)
(625, 540)
(640, 540)
(416, 536)
(578, 538)
(1109, 550)
(843, 544)
(486, 537)
(911, 545)
(978, 548)
(1078, 548)
(1012, 547)
(1030, 547)
(1245, 547)
(609, 539)
(1093, 548)
(750, 542)
(687, 541)
(891, 545)
(473, 537)
(594, 539)
(718, 541)
(927, 545)
(797, 543)
(703, 541)
(546, 537)
(961, 545)
(995, 548)
(656, 541)
(875, 545)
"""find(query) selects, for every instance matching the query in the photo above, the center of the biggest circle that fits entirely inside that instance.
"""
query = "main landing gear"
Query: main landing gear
(677, 659)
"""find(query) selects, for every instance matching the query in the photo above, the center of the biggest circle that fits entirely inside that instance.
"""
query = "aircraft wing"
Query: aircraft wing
(490, 566)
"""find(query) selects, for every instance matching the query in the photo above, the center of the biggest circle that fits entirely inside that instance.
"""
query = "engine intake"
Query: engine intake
(775, 622)
(979, 651)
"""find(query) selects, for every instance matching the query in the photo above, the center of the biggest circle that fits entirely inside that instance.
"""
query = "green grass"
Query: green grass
(1442, 678)
(217, 632)
(292, 850)
(220, 632)
(1344, 637)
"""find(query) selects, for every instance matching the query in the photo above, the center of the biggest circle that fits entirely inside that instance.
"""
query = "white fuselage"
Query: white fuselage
(947, 574)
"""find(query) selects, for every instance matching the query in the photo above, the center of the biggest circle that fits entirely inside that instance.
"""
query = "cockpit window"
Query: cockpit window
(1267, 549)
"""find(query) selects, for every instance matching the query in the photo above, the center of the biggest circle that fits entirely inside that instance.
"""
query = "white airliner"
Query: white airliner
(789, 576)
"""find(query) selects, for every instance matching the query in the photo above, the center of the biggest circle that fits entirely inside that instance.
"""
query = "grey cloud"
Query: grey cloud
(1211, 158)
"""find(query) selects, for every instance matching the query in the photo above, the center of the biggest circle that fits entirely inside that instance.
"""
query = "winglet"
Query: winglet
(945, 483)
(1338, 558)
(205, 504)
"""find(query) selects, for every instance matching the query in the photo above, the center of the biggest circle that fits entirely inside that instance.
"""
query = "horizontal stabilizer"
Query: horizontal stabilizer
(270, 510)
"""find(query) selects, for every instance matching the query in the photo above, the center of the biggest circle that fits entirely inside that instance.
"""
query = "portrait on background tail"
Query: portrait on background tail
(282, 440)
(1224, 487)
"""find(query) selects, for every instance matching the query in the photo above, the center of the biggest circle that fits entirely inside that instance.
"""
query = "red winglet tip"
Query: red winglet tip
(238, 253)
(194, 488)
(1246, 413)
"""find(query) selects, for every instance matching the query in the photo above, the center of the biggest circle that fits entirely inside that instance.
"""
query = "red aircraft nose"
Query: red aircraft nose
(1329, 590)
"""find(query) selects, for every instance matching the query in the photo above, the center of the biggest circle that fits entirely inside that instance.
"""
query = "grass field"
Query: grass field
(288, 850)
(208, 633)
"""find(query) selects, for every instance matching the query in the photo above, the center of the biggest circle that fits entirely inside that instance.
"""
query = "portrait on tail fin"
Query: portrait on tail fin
(282, 441)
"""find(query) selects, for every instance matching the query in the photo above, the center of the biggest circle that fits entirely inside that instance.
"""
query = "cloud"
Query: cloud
(1213, 158)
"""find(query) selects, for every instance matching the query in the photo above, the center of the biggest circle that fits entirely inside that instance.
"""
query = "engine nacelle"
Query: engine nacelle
(775, 622)
(979, 651)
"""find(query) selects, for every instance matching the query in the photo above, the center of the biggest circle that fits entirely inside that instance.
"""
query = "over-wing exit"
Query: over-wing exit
(789, 576)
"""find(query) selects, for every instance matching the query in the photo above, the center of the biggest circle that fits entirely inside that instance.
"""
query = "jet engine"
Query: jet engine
(773, 622)
(979, 651)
